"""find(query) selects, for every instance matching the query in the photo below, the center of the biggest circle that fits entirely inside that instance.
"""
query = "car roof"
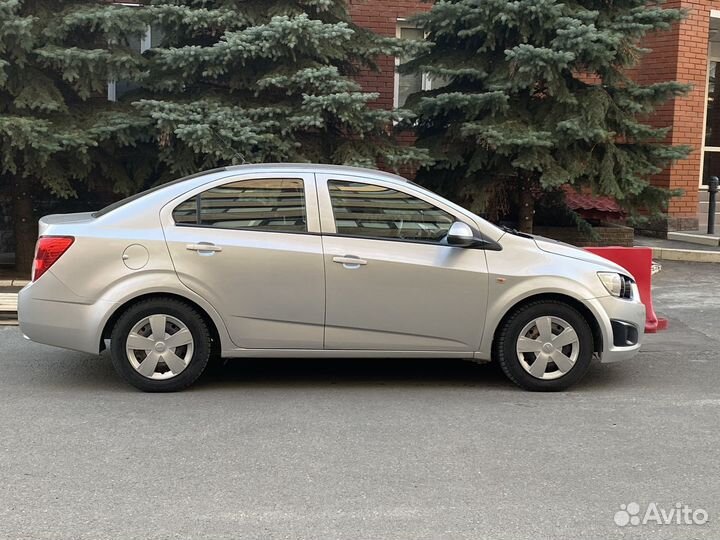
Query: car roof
(311, 168)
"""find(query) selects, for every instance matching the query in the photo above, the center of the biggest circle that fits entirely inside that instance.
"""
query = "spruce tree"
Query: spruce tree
(264, 81)
(534, 94)
(57, 129)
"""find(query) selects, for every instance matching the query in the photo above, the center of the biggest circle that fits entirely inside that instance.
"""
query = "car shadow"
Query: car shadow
(95, 373)
(406, 372)
(351, 372)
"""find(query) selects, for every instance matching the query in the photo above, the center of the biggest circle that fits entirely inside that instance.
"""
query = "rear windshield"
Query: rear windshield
(131, 198)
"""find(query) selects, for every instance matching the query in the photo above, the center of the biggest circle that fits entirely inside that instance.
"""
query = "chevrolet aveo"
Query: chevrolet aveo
(315, 260)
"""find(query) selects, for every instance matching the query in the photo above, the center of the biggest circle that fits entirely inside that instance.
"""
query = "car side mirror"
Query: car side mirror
(461, 235)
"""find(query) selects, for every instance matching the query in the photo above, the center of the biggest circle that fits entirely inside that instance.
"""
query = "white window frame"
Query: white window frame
(426, 83)
(714, 14)
(145, 44)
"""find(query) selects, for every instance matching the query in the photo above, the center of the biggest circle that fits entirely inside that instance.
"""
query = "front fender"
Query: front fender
(522, 271)
(506, 295)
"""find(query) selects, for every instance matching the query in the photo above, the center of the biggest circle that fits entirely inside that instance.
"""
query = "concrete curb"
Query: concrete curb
(13, 282)
(8, 307)
(695, 238)
(686, 255)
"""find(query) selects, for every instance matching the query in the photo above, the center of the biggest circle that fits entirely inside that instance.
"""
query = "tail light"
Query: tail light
(47, 251)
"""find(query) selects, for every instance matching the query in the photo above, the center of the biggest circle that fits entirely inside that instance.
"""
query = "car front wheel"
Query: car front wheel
(545, 346)
(160, 345)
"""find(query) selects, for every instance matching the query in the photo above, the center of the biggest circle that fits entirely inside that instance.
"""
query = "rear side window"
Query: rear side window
(372, 211)
(272, 204)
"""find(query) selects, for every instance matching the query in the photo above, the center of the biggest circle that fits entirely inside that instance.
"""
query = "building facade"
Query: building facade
(689, 53)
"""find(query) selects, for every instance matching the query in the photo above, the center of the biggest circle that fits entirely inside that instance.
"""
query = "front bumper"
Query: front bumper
(624, 314)
(70, 325)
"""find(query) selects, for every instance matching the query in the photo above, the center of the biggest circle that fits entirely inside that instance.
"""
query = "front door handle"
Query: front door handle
(350, 261)
(204, 248)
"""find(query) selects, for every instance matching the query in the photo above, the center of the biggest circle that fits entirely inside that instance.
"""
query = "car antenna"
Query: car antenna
(228, 146)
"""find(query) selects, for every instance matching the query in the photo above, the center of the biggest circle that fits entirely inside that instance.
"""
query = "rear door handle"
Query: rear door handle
(203, 247)
(350, 261)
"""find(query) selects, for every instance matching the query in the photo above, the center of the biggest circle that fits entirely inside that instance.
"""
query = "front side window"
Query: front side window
(266, 205)
(372, 211)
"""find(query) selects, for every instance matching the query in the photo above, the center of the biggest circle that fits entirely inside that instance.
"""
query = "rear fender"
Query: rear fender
(160, 282)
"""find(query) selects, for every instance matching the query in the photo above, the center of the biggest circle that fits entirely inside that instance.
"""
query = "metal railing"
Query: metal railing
(712, 197)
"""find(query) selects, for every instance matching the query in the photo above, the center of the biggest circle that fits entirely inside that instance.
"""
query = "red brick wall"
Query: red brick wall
(607, 235)
(682, 54)
(678, 54)
(381, 16)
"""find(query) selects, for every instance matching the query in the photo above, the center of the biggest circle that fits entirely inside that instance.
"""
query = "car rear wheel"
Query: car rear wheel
(545, 346)
(160, 345)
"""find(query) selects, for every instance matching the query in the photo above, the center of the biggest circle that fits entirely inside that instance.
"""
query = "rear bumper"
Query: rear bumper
(627, 314)
(63, 324)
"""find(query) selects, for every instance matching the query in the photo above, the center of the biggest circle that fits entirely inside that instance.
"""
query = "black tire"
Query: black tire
(505, 352)
(183, 313)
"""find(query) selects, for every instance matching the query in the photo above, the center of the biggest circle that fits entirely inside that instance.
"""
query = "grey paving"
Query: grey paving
(367, 449)
(672, 244)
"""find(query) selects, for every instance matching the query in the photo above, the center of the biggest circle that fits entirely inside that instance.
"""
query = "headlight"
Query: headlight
(617, 284)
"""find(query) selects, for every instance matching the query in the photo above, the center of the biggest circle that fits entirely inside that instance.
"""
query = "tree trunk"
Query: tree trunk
(25, 226)
(527, 210)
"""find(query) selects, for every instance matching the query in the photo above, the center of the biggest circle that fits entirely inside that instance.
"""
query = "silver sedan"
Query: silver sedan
(319, 260)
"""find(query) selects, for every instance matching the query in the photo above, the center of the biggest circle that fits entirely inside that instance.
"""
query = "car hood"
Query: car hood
(566, 250)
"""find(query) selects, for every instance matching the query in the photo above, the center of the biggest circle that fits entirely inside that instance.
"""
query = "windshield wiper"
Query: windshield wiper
(514, 231)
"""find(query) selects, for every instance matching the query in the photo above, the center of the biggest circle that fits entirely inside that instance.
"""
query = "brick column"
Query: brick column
(681, 54)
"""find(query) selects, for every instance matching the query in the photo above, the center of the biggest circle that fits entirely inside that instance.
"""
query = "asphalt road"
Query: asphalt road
(367, 449)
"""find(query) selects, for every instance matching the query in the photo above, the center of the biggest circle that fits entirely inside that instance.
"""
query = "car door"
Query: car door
(391, 282)
(251, 247)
